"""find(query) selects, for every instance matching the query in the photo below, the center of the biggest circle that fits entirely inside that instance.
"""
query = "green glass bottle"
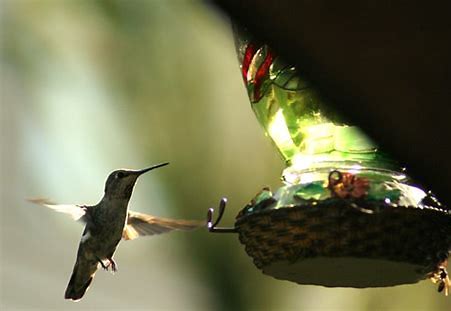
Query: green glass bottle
(313, 139)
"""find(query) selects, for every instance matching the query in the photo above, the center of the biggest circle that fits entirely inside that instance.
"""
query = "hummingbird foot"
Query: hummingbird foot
(113, 264)
(104, 267)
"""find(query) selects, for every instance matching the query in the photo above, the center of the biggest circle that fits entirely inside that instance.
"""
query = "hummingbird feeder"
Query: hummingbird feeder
(348, 215)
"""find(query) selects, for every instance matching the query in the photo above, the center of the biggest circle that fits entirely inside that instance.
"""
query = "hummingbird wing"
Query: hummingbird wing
(77, 212)
(139, 224)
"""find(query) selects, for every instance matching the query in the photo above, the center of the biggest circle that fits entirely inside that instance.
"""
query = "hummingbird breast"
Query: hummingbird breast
(109, 220)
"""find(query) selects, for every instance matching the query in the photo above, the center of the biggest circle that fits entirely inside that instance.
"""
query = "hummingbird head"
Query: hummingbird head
(120, 183)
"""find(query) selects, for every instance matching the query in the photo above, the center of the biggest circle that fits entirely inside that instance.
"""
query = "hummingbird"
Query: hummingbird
(106, 224)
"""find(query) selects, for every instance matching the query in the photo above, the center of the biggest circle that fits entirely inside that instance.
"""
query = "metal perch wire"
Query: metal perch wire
(212, 225)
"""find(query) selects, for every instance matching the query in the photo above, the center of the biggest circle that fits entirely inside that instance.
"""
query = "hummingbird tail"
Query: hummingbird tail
(80, 280)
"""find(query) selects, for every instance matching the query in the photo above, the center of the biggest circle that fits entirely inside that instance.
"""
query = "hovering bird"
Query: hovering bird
(106, 224)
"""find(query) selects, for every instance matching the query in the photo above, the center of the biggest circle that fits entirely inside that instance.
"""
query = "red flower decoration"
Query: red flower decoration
(347, 185)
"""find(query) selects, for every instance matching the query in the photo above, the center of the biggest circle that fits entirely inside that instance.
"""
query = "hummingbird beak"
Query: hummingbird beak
(140, 172)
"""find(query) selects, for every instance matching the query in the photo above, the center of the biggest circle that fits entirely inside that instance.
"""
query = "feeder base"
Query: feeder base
(346, 272)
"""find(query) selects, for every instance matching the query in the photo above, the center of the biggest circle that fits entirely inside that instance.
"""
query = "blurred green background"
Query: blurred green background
(91, 86)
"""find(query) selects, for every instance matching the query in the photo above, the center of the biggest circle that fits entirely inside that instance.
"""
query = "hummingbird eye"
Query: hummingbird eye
(120, 174)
